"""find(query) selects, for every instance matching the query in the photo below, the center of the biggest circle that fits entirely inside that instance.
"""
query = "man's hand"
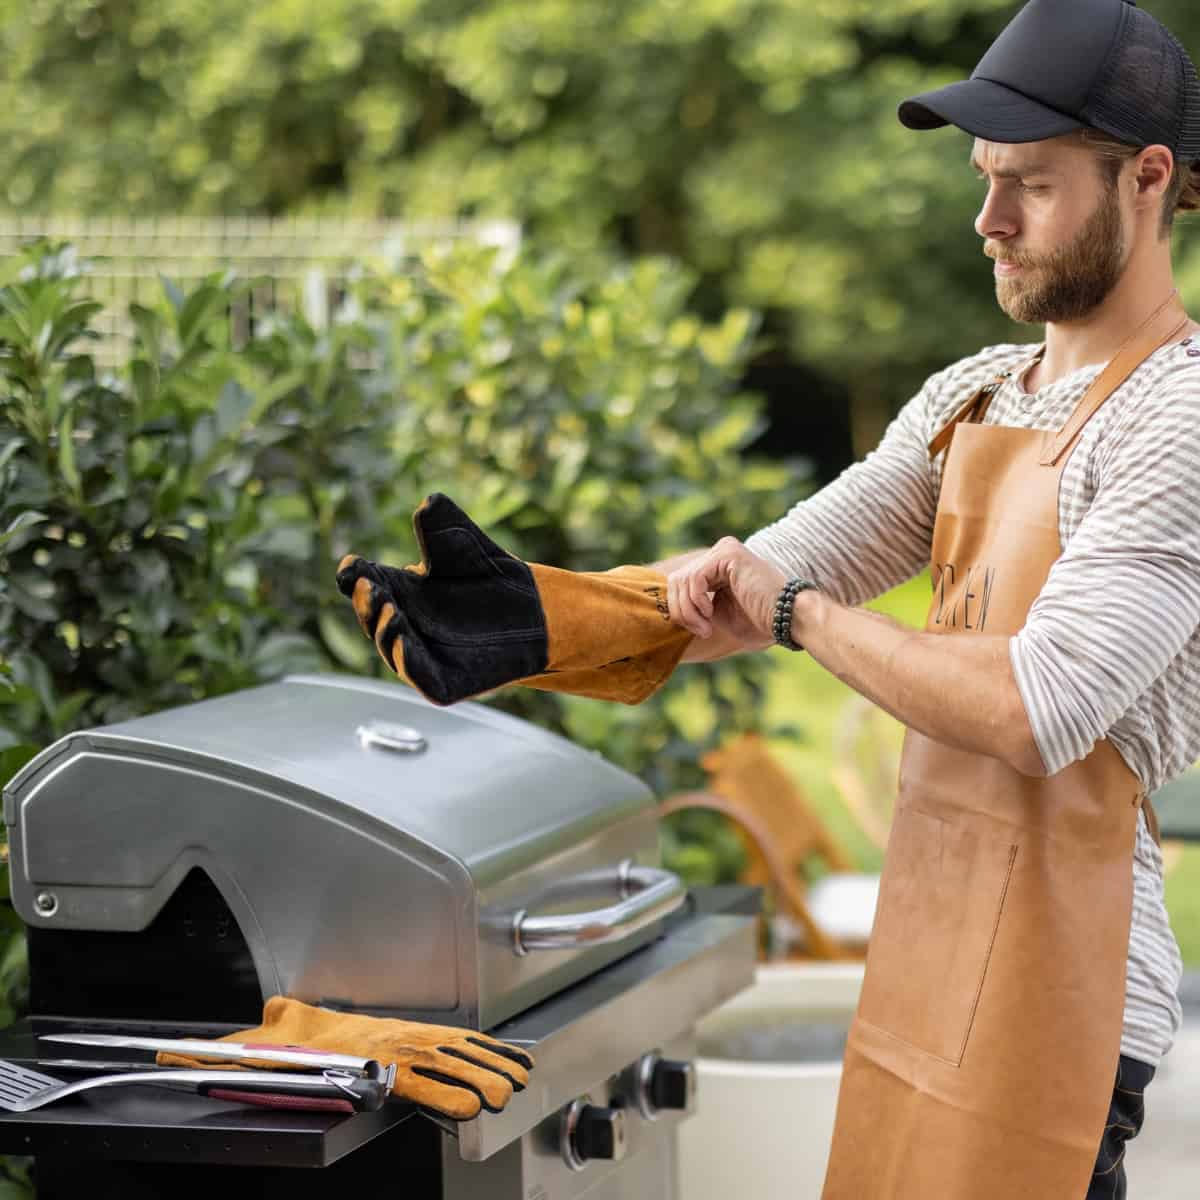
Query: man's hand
(728, 592)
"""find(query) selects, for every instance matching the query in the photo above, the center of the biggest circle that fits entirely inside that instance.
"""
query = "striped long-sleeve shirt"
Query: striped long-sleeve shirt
(1111, 646)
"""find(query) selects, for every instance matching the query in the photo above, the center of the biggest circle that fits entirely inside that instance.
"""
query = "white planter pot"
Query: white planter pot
(768, 1068)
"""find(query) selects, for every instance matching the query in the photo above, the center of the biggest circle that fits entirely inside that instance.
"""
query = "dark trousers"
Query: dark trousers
(1124, 1120)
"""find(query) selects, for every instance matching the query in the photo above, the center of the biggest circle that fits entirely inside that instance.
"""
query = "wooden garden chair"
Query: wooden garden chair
(782, 835)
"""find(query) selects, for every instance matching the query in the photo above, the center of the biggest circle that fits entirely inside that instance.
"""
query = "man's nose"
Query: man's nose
(995, 220)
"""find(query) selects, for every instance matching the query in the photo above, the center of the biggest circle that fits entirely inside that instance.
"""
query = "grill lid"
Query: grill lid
(375, 851)
(477, 785)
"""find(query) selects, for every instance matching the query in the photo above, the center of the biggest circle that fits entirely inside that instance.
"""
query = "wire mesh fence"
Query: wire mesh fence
(289, 264)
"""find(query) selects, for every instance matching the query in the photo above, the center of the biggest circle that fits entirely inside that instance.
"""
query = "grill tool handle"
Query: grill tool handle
(334, 1091)
(649, 895)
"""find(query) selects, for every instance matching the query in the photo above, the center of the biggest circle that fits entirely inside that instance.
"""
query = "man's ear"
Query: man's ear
(1152, 171)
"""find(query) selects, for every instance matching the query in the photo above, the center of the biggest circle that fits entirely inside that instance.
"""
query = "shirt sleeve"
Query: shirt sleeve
(871, 528)
(1124, 597)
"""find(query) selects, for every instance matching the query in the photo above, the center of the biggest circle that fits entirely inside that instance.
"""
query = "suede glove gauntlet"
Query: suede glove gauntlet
(455, 1072)
(472, 617)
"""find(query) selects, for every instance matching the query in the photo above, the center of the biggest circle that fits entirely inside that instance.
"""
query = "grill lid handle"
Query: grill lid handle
(650, 894)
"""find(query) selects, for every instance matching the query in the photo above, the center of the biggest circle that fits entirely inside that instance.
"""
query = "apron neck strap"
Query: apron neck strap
(977, 405)
(1163, 324)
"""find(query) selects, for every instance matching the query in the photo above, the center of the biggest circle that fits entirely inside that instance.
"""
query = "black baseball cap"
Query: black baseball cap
(1061, 65)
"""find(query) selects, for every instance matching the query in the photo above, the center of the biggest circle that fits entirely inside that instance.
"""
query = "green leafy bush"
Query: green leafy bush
(169, 530)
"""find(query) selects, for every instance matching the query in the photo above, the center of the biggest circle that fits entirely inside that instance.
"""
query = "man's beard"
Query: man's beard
(1069, 283)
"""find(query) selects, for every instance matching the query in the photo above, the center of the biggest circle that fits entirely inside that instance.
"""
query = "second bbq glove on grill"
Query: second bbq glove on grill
(472, 617)
(455, 1072)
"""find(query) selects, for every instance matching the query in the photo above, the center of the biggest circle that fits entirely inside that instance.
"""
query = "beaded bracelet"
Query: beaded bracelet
(783, 611)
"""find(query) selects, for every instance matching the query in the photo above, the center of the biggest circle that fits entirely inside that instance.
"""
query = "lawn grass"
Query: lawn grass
(803, 694)
(1183, 903)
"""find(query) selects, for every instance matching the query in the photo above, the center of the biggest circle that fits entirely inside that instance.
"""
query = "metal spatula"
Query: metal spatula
(22, 1090)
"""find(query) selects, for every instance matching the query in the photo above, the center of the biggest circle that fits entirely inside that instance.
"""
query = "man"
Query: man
(1021, 985)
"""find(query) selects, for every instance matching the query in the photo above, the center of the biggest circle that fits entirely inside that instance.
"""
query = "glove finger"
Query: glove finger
(515, 1075)
(491, 1097)
(390, 625)
(350, 570)
(523, 1057)
(367, 600)
(452, 545)
(444, 1095)
(496, 1089)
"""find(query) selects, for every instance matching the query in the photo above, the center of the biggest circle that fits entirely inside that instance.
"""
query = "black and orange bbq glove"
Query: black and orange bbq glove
(455, 1072)
(471, 617)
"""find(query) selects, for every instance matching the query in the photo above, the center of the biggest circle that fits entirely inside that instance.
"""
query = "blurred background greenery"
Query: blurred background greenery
(735, 266)
(753, 140)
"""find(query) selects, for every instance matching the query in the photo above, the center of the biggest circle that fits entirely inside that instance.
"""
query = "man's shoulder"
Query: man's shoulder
(1157, 409)
(1171, 375)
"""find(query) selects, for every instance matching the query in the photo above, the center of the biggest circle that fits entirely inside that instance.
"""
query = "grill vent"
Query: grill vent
(191, 964)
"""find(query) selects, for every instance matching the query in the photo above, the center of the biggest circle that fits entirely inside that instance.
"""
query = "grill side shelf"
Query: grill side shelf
(595, 1028)
(154, 1125)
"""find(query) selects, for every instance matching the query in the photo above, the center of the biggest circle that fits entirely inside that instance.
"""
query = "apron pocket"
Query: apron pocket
(940, 901)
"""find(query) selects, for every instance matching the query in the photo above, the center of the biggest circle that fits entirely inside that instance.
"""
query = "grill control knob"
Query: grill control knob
(665, 1083)
(591, 1131)
(600, 1133)
(672, 1084)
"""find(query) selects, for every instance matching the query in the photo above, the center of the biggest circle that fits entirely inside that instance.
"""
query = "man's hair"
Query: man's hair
(1183, 192)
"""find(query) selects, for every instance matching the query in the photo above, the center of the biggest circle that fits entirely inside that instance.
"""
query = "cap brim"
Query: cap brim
(986, 110)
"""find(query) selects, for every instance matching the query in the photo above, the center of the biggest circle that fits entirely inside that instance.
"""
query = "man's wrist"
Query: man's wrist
(805, 615)
(782, 629)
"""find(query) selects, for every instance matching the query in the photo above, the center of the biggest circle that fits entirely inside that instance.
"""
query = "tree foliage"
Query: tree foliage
(754, 139)
(170, 530)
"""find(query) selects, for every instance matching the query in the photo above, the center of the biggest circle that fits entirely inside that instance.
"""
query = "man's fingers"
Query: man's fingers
(678, 601)
(700, 588)
(673, 596)
(685, 610)
(729, 581)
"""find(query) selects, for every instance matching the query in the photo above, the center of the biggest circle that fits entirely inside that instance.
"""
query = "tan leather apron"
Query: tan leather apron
(981, 1060)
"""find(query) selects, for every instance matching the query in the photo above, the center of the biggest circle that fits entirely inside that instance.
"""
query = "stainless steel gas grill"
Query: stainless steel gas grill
(348, 844)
